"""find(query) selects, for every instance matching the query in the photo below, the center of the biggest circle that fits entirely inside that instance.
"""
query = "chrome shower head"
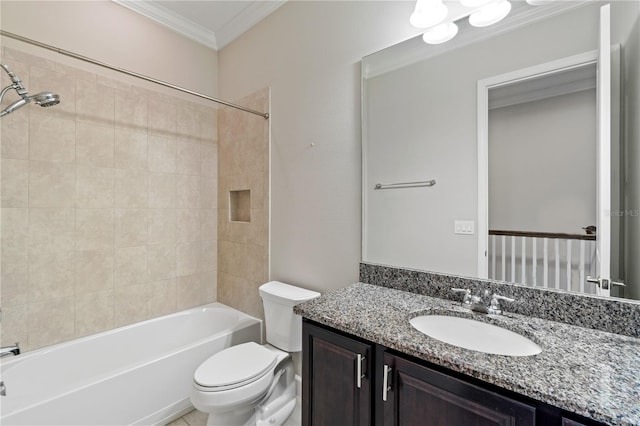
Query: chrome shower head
(45, 99)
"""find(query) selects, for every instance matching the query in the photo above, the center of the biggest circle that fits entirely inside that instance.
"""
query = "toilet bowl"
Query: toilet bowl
(253, 384)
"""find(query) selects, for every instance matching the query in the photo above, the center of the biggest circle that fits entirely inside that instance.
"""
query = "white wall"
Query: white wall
(542, 157)
(309, 54)
(110, 33)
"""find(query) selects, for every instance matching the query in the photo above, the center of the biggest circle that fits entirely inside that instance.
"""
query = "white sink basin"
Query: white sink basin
(475, 335)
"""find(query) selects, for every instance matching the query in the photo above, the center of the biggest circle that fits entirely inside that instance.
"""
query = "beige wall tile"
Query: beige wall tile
(188, 258)
(188, 156)
(94, 229)
(208, 192)
(162, 190)
(51, 230)
(14, 284)
(131, 148)
(94, 102)
(131, 227)
(131, 110)
(131, 266)
(51, 322)
(188, 192)
(51, 275)
(95, 144)
(60, 80)
(193, 291)
(95, 187)
(42, 143)
(209, 255)
(94, 312)
(161, 261)
(161, 226)
(209, 163)
(14, 230)
(131, 189)
(161, 154)
(207, 123)
(94, 271)
(14, 183)
(209, 224)
(162, 115)
(51, 184)
(162, 298)
(187, 120)
(130, 304)
(14, 326)
(15, 136)
(188, 225)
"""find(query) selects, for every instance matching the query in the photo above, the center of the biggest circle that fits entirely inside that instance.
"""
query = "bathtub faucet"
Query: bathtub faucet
(7, 350)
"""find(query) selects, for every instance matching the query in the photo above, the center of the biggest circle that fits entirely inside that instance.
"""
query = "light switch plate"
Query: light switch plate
(466, 227)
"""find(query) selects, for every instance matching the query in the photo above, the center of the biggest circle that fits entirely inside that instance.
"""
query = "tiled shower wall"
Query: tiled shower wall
(243, 238)
(109, 205)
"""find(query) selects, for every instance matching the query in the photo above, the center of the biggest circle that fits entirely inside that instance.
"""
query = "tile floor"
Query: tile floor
(196, 418)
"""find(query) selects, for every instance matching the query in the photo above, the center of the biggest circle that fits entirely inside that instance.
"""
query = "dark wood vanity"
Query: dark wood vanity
(351, 381)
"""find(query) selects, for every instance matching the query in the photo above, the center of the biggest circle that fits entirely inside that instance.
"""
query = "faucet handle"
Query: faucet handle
(494, 307)
(467, 295)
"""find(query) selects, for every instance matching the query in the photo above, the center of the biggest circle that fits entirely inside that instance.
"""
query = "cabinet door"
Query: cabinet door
(336, 388)
(417, 395)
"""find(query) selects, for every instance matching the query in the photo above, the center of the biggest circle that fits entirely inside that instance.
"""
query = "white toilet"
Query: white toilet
(252, 384)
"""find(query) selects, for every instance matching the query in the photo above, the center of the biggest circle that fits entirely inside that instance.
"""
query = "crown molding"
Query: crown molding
(172, 20)
(250, 16)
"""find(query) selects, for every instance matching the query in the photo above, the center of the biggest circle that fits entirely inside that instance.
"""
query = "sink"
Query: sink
(475, 335)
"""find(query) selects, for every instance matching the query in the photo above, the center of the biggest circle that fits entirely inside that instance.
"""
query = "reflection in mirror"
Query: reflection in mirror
(421, 122)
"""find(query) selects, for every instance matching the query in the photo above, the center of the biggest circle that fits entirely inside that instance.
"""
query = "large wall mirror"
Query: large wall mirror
(485, 156)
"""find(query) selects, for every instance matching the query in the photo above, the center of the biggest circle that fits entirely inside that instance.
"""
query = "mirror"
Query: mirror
(423, 201)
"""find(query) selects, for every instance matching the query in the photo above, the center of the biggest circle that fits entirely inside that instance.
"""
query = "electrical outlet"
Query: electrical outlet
(465, 227)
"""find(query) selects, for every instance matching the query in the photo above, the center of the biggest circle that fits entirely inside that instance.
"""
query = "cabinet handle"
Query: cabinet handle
(385, 381)
(359, 375)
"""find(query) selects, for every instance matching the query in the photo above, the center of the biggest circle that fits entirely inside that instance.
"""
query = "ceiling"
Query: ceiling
(214, 23)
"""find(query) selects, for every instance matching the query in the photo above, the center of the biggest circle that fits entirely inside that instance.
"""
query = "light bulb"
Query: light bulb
(440, 33)
(472, 4)
(490, 14)
(538, 2)
(428, 13)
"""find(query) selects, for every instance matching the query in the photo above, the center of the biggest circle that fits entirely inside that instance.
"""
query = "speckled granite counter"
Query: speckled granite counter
(588, 372)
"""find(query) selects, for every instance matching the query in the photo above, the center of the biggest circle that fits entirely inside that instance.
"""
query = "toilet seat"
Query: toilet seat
(234, 367)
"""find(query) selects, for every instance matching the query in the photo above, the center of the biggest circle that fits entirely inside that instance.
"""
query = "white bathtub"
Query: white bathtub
(138, 374)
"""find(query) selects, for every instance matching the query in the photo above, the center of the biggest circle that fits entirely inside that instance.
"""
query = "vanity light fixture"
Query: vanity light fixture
(428, 13)
(490, 14)
(440, 33)
(433, 16)
(474, 3)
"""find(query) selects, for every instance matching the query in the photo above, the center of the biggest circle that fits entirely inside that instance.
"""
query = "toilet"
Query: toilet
(253, 384)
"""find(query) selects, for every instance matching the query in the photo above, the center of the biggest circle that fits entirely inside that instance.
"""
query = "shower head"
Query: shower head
(44, 99)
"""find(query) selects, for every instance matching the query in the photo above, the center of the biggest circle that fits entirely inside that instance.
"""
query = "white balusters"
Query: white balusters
(543, 266)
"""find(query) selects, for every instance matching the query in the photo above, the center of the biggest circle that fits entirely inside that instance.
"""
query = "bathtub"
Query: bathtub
(133, 375)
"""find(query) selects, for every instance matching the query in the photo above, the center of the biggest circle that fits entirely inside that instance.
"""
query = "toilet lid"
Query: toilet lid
(235, 366)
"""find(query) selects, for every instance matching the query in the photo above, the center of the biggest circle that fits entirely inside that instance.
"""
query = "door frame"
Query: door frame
(483, 87)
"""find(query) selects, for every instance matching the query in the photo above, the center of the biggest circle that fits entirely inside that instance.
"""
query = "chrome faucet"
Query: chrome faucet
(9, 350)
(476, 303)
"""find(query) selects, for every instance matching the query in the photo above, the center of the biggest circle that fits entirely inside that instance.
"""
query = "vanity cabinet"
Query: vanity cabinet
(336, 377)
(350, 381)
(415, 393)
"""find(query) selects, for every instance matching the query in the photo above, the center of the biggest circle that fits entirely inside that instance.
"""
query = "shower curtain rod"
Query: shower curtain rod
(265, 115)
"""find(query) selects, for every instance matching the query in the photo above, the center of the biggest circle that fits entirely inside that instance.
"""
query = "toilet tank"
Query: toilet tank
(284, 328)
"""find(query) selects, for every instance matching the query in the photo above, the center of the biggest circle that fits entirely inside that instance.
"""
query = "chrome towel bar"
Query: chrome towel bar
(405, 184)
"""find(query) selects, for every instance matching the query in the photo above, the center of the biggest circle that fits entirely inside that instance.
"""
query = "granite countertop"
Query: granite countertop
(584, 371)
